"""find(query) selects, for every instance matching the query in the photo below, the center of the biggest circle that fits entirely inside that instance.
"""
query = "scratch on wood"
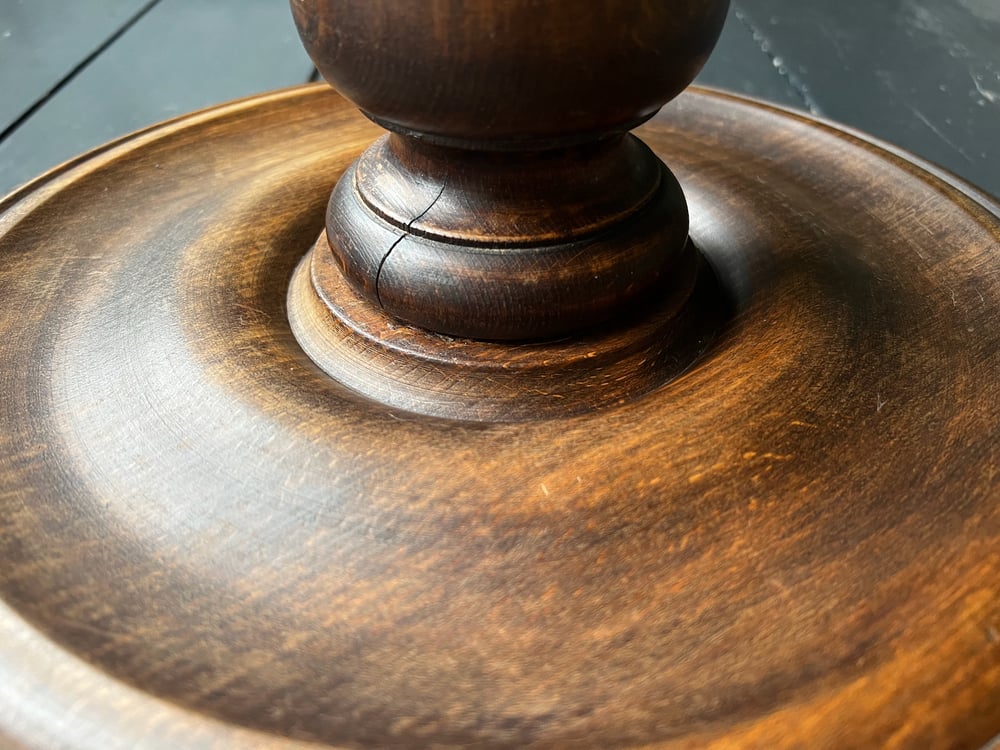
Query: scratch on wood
(941, 136)
(794, 83)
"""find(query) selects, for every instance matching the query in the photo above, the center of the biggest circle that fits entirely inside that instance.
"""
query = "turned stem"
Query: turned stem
(515, 245)
(509, 202)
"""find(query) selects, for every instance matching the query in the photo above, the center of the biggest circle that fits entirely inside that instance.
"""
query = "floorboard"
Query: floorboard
(922, 74)
(43, 41)
(181, 56)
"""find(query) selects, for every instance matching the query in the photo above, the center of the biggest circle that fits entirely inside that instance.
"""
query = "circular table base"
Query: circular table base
(207, 541)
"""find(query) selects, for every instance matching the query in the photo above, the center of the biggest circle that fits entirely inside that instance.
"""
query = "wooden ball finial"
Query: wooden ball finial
(499, 72)
(509, 202)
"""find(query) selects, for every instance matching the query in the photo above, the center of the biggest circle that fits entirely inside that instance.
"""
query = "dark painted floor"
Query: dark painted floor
(923, 74)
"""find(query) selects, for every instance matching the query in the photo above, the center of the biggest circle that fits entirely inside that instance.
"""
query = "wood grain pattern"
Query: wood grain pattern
(509, 73)
(509, 203)
(508, 246)
(207, 542)
(409, 368)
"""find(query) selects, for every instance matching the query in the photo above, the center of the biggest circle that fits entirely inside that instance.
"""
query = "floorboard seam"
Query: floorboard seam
(76, 70)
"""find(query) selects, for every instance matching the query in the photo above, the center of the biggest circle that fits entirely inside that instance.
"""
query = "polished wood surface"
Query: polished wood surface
(509, 72)
(366, 349)
(507, 245)
(209, 542)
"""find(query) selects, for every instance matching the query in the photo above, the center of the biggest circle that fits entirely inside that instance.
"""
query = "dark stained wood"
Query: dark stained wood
(207, 542)
(242, 504)
(518, 72)
(44, 45)
(507, 245)
(508, 204)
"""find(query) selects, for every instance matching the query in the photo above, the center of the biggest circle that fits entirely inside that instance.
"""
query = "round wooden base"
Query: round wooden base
(209, 542)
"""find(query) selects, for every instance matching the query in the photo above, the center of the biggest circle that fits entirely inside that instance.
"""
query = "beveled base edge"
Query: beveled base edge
(418, 371)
